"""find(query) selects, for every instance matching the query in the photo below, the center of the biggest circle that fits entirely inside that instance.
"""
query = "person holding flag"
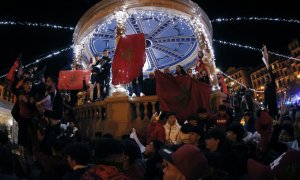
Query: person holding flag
(270, 100)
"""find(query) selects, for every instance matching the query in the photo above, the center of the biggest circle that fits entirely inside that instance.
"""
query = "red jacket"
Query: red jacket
(220, 121)
(155, 131)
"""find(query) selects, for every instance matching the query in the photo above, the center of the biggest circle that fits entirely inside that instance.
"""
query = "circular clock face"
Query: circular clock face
(170, 40)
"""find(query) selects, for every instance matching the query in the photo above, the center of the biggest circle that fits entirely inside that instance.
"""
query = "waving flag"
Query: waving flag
(73, 80)
(265, 57)
(181, 94)
(129, 58)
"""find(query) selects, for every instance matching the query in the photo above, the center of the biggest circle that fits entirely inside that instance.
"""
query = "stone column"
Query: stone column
(118, 121)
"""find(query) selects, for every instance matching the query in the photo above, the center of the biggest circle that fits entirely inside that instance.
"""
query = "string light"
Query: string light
(241, 84)
(220, 20)
(44, 57)
(254, 49)
(31, 24)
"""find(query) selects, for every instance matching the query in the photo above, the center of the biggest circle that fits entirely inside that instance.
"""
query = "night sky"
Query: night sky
(33, 42)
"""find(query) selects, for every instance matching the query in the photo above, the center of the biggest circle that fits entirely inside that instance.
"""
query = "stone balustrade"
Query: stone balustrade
(115, 115)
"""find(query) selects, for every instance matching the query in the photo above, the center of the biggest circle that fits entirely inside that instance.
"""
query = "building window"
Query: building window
(288, 81)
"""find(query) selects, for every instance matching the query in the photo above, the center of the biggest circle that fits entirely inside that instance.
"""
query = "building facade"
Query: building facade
(286, 73)
(239, 74)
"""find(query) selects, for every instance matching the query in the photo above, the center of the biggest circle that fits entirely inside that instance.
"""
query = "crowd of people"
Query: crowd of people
(208, 145)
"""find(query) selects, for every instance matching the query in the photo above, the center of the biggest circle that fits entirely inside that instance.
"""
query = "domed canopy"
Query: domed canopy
(173, 30)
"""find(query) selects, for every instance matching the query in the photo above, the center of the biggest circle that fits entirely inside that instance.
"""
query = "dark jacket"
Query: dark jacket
(57, 108)
(270, 96)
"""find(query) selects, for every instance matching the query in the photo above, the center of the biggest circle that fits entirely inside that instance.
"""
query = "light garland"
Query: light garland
(49, 55)
(220, 20)
(241, 84)
(254, 49)
(31, 24)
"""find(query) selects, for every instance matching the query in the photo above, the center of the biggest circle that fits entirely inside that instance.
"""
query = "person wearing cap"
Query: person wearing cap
(186, 162)
(172, 128)
(217, 149)
(237, 151)
(184, 135)
(195, 135)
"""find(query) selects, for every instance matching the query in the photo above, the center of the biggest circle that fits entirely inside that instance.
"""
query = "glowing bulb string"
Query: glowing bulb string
(44, 57)
(241, 84)
(277, 20)
(32, 24)
(254, 49)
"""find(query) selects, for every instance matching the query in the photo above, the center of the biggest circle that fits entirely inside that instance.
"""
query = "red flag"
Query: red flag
(10, 75)
(129, 58)
(73, 80)
(223, 85)
(182, 94)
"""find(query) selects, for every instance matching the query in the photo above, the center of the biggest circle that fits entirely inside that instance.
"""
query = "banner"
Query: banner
(129, 59)
(182, 94)
(73, 80)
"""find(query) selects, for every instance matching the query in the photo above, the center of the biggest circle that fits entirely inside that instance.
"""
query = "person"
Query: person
(184, 135)
(109, 155)
(105, 74)
(153, 160)
(167, 71)
(57, 102)
(27, 109)
(249, 122)
(172, 128)
(221, 119)
(270, 100)
(179, 71)
(95, 77)
(202, 71)
(53, 116)
(238, 150)
(186, 162)
(286, 166)
(217, 150)
(149, 85)
(78, 156)
(195, 136)
(190, 73)
(137, 85)
(155, 130)
(205, 119)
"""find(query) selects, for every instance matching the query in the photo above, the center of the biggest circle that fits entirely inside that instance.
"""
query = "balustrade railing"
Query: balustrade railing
(95, 117)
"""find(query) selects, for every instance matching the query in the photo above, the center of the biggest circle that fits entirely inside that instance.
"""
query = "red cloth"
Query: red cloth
(155, 131)
(263, 125)
(223, 85)
(73, 80)
(10, 75)
(181, 94)
(129, 58)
